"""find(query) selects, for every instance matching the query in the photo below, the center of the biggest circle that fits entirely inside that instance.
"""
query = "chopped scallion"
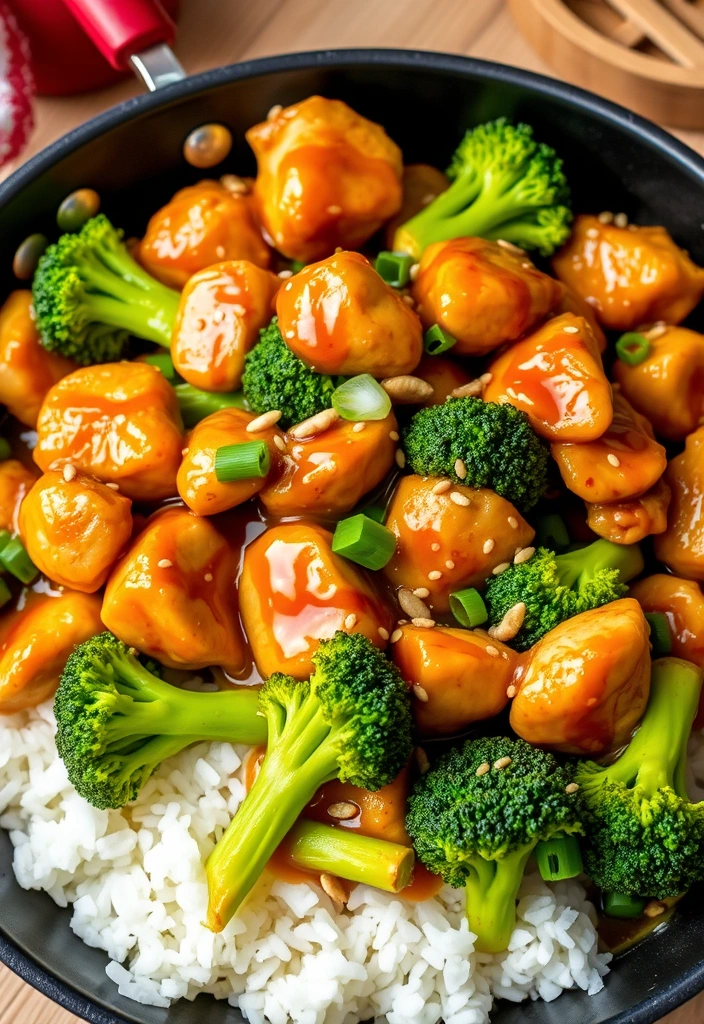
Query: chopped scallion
(243, 461)
(364, 541)
(297, 266)
(618, 904)
(559, 857)
(14, 558)
(437, 340)
(632, 348)
(394, 268)
(468, 607)
(361, 398)
(375, 512)
(660, 637)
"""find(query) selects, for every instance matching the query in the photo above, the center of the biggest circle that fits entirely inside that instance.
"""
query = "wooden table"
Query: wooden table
(214, 32)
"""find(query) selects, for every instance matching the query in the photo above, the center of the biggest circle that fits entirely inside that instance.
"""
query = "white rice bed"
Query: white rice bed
(137, 884)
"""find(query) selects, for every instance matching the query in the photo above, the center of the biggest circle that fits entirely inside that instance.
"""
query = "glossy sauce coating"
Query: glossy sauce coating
(35, 642)
(433, 530)
(634, 519)
(173, 596)
(637, 461)
(15, 482)
(421, 183)
(444, 375)
(196, 481)
(464, 682)
(668, 386)
(221, 312)
(27, 370)
(330, 472)
(681, 546)
(583, 688)
(339, 316)
(203, 224)
(482, 293)
(295, 592)
(556, 377)
(326, 177)
(120, 422)
(630, 275)
(682, 603)
(571, 302)
(75, 530)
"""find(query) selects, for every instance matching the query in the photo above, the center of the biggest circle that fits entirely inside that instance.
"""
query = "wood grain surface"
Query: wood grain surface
(214, 32)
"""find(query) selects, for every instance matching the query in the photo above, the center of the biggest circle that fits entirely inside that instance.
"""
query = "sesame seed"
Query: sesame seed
(407, 389)
(412, 605)
(113, 487)
(383, 633)
(471, 390)
(421, 693)
(460, 469)
(524, 555)
(621, 220)
(435, 546)
(435, 574)
(402, 622)
(492, 651)
(422, 760)
(396, 636)
(501, 567)
(441, 486)
(400, 459)
(413, 271)
(510, 623)
(423, 623)
(164, 563)
(218, 316)
(280, 443)
(290, 334)
(274, 112)
(234, 184)
(421, 592)
(263, 422)
(343, 810)
(409, 300)
(69, 472)
(459, 498)
(358, 427)
(489, 546)
(503, 762)
(613, 460)
(184, 451)
(571, 329)
(511, 691)
(605, 217)
(284, 274)
(208, 577)
(449, 564)
(654, 909)
(510, 246)
(289, 286)
(350, 621)
(334, 210)
(394, 435)
(220, 252)
(655, 332)
(592, 233)
(315, 425)
(572, 787)
(513, 522)
(483, 768)
(333, 887)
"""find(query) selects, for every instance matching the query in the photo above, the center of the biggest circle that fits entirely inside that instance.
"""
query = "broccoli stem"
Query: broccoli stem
(129, 315)
(559, 858)
(196, 404)
(492, 890)
(341, 852)
(580, 565)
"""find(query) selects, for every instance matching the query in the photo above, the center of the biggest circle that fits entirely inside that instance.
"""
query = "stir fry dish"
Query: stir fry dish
(351, 552)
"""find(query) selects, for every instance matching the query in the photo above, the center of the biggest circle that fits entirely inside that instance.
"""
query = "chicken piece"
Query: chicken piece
(483, 293)
(630, 275)
(203, 224)
(450, 540)
(421, 183)
(339, 316)
(15, 483)
(631, 520)
(35, 643)
(444, 375)
(326, 177)
(27, 370)
(295, 592)
(463, 676)
(682, 603)
(222, 310)
(574, 303)
(173, 596)
(330, 472)
(668, 386)
(120, 422)
(583, 688)
(197, 483)
(555, 375)
(681, 545)
(624, 462)
(75, 530)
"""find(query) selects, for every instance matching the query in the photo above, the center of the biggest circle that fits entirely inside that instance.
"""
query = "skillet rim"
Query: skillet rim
(691, 982)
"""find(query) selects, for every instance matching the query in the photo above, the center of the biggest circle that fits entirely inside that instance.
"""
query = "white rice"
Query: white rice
(136, 881)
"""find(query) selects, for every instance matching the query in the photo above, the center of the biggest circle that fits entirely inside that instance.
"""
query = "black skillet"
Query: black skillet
(132, 156)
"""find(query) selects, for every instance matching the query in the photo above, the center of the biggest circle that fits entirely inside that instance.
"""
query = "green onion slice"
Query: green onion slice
(364, 541)
(5, 450)
(437, 340)
(375, 512)
(5, 538)
(5, 594)
(551, 532)
(468, 607)
(559, 857)
(242, 461)
(618, 904)
(297, 266)
(660, 636)
(394, 268)
(15, 560)
(632, 348)
(164, 362)
(361, 398)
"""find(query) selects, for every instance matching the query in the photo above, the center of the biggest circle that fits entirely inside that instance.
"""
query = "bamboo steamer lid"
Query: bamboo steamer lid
(646, 54)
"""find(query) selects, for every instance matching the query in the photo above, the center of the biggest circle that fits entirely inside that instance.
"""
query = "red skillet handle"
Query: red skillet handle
(123, 28)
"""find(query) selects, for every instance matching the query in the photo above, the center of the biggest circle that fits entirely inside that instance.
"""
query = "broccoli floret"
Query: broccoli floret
(477, 829)
(117, 721)
(351, 721)
(504, 185)
(556, 587)
(496, 443)
(643, 835)
(275, 378)
(89, 296)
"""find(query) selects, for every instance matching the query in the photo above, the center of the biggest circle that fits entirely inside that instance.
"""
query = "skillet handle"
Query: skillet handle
(131, 34)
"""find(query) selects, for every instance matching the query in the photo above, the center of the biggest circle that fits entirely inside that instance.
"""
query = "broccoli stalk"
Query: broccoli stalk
(89, 295)
(195, 404)
(476, 817)
(496, 443)
(643, 835)
(117, 721)
(556, 587)
(275, 378)
(504, 185)
(351, 721)
(338, 851)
